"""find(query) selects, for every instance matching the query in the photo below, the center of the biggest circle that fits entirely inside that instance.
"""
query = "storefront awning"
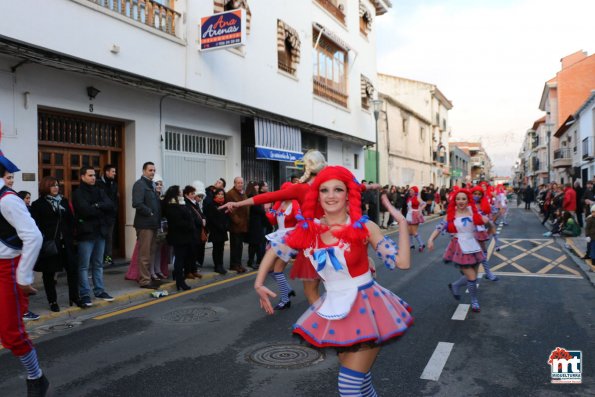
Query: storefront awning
(278, 142)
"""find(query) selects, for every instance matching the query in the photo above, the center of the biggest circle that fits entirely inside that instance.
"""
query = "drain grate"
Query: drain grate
(191, 315)
(285, 356)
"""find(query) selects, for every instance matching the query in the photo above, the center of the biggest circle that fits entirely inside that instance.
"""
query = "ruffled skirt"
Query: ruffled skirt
(454, 254)
(482, 235)
(377, 315)
(415, 218)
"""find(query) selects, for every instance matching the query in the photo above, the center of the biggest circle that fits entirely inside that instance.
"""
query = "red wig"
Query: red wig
(413, 199)
(452, 207)
(484, 203)
(306, 232)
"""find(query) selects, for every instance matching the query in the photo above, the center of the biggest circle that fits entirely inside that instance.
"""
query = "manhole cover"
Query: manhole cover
(63, 327)
(191, 315)
(285, 356)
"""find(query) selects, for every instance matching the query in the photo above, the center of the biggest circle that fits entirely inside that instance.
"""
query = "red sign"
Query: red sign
(227, 29)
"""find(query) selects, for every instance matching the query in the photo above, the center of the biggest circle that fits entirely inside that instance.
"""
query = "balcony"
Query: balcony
(148, 12)
(438, 158)
(535, 164)
(330, 90)
(535, 142)
(334, 8)
(588, 149)
(562, 158)
(476, 161)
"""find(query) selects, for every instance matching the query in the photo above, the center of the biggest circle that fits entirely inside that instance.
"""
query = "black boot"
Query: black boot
(37, 387)
(219, 269)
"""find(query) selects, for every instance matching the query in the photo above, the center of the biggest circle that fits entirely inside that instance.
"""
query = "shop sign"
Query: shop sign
(223, 30)
(263, 153)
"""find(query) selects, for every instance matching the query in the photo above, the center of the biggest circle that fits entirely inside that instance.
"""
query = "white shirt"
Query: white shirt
(15, 211)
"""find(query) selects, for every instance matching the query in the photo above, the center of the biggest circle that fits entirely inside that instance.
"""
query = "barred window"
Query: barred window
(190, 142)
(365, 19)
(228, 5)
(367, 91)
(288, 48)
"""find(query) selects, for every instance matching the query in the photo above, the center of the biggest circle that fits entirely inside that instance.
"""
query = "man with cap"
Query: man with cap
(20, 242)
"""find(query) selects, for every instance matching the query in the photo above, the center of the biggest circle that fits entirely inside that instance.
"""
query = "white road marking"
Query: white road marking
(461, 312)
(437, 362)
(539, 275)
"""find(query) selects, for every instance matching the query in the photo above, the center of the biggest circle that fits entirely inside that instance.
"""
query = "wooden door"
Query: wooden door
(65, 164)
(69, 141)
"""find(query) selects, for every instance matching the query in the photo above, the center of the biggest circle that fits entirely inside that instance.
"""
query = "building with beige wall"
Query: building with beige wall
(481, 164)
(413, 132)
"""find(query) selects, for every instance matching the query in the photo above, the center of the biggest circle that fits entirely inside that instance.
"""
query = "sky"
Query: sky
(491, 58)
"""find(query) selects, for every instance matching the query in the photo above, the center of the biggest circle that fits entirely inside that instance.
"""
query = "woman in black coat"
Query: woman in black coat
(180, 232)
(218, 225)
(198, 246)
(55, 220)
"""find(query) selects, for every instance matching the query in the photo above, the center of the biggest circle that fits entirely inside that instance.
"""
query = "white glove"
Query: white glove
(588, 239)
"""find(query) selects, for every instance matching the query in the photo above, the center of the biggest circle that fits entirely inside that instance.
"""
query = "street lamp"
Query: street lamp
(377, 108)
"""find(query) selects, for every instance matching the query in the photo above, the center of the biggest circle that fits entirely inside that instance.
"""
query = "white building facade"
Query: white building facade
(124, 83)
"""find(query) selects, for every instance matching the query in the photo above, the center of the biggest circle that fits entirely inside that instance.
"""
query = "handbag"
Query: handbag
(50, 247)
(204, 235)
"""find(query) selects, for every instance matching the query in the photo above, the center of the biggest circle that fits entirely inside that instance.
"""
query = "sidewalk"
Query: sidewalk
(576, 245)
(127, 292)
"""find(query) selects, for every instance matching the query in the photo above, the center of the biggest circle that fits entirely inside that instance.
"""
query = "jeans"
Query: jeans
(90, 253)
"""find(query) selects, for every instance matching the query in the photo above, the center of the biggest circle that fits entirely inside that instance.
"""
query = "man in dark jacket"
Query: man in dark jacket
(92, 208)
(107, 182)
(239, 225)
(147, 221)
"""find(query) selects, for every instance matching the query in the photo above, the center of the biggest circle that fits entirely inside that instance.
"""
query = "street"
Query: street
(216, 341)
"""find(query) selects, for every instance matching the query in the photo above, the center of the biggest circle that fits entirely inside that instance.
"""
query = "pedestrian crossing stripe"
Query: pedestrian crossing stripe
(541, 246)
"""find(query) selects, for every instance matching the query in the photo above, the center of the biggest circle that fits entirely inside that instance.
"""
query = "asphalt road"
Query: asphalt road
(205, 342)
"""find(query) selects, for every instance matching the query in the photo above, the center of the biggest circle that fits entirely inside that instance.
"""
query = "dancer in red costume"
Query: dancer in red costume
(356, 315)
(283, 214)
(415, 217)
(462, 219)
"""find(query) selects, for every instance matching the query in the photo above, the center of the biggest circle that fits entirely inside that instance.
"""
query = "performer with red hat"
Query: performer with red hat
(20, 242)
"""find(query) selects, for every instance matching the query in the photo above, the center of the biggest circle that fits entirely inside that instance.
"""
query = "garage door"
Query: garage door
(191, 155)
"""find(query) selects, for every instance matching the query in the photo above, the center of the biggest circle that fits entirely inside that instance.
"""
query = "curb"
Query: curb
(576, 254)
(138, 295)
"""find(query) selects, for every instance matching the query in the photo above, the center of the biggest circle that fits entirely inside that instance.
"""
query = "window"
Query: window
(356, 161)
(422, 134)
(405, 124)
(367, 91)
(365, 19)
(288, 48)
(335, 8)
(177, 141)
(228, 5)
(330, 74)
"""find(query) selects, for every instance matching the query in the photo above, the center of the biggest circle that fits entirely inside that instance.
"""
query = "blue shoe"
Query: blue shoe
(86, 301)
(105, 296)
(453, 292)
(30, 316)
(493, 278)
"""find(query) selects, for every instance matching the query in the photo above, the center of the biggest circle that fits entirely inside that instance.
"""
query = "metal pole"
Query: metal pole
(377, 150)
